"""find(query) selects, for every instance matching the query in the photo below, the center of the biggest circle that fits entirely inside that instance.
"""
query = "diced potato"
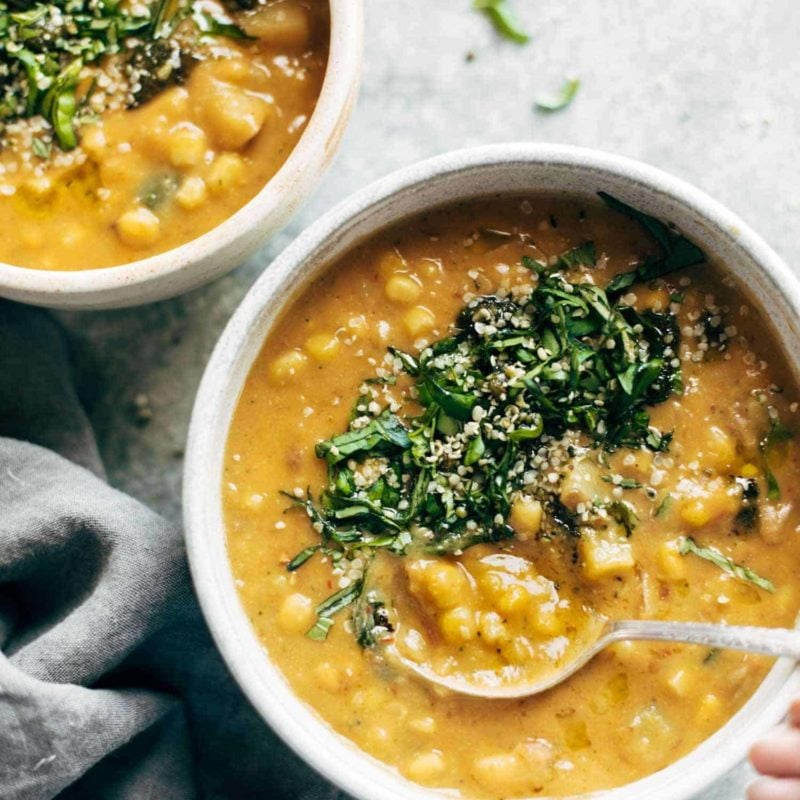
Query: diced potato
(419, 320)
(576, 734)
(503, 774)
(680, 682)
(545, 620)
(287, 365)
(582, 484)
(282, 24)
(605, 555)
(138, 227)
(709, 707)
(322, 346)
(526, 517)
(719, 449)
(230, 115)
(296, 614)
(403, 289)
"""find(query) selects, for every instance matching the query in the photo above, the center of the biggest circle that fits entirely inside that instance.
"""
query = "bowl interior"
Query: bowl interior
(496, 170)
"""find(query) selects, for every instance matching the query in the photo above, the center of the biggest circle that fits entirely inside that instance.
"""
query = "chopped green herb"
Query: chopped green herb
(665, 505)
(41, 148)
(623, 483)
(503, 19)
(302, 557)
(688, 545)
(677, 251)
(550, 373)
(46, 48)
(778, 433)
(565, 96)
(328, 608)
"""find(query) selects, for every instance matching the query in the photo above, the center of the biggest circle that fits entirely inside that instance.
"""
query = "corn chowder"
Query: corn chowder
(482, 433)
(127, 129)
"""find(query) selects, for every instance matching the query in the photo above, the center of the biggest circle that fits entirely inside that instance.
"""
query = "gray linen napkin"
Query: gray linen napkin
(110, 687)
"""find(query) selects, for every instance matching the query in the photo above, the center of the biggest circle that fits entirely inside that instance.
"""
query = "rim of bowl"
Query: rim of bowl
(279, 198)
(329, 753)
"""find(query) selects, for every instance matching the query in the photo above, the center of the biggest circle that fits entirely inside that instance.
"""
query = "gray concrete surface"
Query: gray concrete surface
(706, 90)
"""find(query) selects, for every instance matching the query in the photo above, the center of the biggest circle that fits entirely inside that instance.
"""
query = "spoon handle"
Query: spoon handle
(769, 641)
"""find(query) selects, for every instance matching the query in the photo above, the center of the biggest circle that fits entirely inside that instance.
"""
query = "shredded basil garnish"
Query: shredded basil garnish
(557, 102)
(778, 433)
(503, 19)
(688, 545)
(560, 368)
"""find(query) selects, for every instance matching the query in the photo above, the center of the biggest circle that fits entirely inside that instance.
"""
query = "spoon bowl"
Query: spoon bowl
(766, 641)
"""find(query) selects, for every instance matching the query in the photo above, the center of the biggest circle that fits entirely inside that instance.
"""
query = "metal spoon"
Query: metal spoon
(768, 641)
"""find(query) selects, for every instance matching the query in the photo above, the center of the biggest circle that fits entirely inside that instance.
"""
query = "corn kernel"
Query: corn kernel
(296, 614)
(749, 471)
(419, 320)
(514, 599)
(403, 289)
(322, 346)
(671, 564)
(192, 193)
(228, 170)
(517, 650)
(458, 625)
(287, 365)
(526, 517)
(186, 145)
(719, 449)
(138, 227)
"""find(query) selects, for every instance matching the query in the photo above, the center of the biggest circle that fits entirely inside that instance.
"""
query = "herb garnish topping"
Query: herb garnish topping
(47, 51)
(523, 386)
(559, 101)
(688, 545)
(503, 19)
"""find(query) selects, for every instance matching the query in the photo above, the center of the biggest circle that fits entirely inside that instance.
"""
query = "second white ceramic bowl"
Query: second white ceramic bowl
(495, 170)
(229, 244)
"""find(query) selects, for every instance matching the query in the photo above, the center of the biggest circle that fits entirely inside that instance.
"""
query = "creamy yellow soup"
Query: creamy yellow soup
(647, 526)
(147, 177)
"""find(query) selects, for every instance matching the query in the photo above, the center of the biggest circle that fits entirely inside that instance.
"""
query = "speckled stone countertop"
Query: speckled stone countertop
(705, 90)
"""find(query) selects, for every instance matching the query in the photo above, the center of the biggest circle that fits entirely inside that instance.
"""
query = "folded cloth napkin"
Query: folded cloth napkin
(110, 686)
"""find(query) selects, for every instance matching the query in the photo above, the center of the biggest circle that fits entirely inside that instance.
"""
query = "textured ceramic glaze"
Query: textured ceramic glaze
(229, 244)
(512, 169)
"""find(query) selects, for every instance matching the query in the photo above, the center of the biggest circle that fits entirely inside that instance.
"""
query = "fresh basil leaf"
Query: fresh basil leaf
(688, 545)
(557, 102)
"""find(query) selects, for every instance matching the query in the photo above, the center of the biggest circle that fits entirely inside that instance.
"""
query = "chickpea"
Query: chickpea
(322, 346)
(444, 583)
(186, 145)
(138, 227)
(296, 614)
(426, 767)
(287, 365)
(192, 193)
(390, 263)
(458, 625)
(228, 170)
(419, 320)
(403, 289)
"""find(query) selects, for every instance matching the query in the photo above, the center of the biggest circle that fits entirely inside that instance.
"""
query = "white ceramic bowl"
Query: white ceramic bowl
(502, 169)
(230, 243)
